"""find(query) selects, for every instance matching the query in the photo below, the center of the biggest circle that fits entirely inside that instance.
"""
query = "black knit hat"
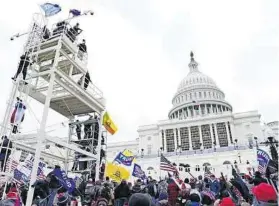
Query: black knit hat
(139, 199)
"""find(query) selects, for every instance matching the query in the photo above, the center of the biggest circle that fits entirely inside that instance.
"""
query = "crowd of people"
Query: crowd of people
(199, 191)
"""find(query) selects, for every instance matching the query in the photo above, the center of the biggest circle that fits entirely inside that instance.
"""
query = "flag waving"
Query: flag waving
(263, 160)
(138, 172)
(123, 159)
(50, 9)
(109, 124)
(75, 12)
(66, 182)
(166, 165)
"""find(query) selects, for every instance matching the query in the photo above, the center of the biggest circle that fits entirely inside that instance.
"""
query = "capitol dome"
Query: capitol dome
(197, 95)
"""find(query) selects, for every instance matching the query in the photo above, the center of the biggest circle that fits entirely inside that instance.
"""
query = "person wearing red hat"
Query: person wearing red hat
(264, 194)
(227, 201)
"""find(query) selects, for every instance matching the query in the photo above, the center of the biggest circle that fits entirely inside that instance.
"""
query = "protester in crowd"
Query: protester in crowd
(139, 199)
(199, 183)
(258, 179)
(152, 188)
(214, 184)
(121, 193)
(137, 188)
(187, 184)
(264, 195)
(173, 191)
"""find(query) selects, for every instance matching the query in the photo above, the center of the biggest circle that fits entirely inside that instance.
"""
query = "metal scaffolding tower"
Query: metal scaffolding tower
(57, 79)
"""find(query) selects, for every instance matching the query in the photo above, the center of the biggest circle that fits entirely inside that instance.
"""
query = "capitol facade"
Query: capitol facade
(202, 130)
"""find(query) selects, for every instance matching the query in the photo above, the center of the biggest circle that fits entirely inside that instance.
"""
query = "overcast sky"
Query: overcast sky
(139, 52)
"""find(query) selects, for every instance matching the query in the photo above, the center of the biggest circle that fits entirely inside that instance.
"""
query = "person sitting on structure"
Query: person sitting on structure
(86, 80)
(5, 151)
(24, 63)
(82, 49)
(60, 28)
(72, 33)
(77, 30)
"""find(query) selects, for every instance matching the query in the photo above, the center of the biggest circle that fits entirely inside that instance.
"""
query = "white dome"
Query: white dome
(196, 78)
(197, 90)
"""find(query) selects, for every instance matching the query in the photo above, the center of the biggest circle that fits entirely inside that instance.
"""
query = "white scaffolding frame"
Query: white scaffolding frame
(60, 93)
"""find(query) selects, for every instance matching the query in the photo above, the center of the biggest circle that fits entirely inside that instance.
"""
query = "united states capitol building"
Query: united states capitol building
(202, 130)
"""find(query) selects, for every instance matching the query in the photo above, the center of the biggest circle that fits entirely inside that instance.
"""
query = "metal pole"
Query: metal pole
(68, 142)
(99, 146)
(9, 108)
(41, 133)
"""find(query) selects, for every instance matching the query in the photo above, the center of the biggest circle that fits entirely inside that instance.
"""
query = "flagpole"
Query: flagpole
(98, 161)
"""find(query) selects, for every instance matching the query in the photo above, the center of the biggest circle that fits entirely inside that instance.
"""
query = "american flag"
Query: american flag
(18, 177)
(166, 165)
(207, 172)
(40, 175)
(236, 192)
(261, 169)
(11, 164)
(210, 194)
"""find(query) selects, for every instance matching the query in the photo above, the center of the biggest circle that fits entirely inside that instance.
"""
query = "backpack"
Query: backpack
(96, 192)
(101, 202)
(89, 189)
(106, 193)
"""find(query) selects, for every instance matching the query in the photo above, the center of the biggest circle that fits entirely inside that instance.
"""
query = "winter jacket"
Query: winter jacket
(122, 190)
(152, 189)
(214, 186)
(258, 180)
(162, 187)
(173, 191)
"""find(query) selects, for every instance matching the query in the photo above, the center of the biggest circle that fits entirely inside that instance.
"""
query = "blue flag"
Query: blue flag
(123, 159)
(50, 9)
(20, 176)
(263, 160)
(138, 172)
(66, 182)
(75, 12)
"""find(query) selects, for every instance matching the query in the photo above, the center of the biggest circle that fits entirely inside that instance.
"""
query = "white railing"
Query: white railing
(64, 29)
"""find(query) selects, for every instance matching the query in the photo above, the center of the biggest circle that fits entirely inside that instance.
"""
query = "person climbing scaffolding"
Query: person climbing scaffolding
(17, 115)
(5, 151)
(24, 63)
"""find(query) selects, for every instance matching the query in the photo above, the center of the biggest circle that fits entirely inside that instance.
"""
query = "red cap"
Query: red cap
(227, 201)
(12, 195)
(264, 192)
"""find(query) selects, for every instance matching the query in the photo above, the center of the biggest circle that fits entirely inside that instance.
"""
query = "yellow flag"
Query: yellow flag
(117, 172)
(128, 153)
(109, 124)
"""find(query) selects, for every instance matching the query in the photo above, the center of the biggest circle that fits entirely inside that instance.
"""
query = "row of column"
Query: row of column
(164, 138)
(202, 109)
